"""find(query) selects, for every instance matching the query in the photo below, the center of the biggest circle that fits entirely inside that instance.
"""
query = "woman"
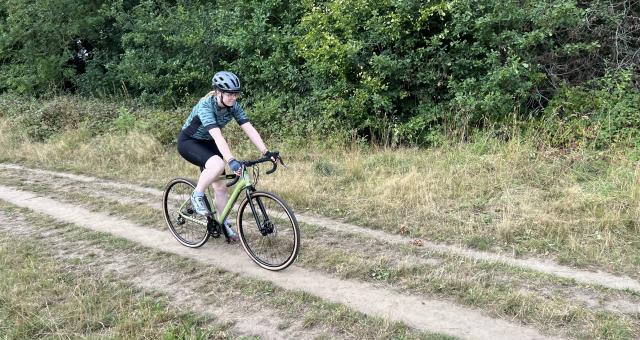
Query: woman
(201, 141)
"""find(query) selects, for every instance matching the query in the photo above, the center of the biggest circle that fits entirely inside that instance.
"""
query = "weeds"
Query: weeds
(580, 207)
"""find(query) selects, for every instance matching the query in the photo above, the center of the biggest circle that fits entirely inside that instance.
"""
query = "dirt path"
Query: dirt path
(600, 278)
(149, 275)
(415, 311)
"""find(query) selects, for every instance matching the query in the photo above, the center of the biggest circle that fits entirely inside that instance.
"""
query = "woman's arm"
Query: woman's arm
(221, 143)
(254, 137)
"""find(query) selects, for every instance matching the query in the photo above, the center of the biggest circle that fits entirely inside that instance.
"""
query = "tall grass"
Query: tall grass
(579, 206)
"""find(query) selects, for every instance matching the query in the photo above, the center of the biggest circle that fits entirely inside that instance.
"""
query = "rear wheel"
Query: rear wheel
(268, 230)
(178, 211)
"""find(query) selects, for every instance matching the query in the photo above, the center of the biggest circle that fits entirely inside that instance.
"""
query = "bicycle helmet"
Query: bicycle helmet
(226, 82)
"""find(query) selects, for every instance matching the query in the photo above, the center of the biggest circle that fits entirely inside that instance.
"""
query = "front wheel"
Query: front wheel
(268, 230)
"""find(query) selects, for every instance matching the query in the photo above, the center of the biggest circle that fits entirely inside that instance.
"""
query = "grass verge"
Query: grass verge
(40, 298)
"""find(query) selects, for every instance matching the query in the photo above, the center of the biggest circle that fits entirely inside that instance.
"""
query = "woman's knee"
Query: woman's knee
(214, 162)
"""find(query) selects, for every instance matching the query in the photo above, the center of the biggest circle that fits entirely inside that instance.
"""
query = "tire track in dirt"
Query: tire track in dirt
(417, 312)
(620, 282)
(544, 266)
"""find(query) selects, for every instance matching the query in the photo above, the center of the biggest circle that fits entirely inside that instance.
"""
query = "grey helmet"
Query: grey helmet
(226, 82)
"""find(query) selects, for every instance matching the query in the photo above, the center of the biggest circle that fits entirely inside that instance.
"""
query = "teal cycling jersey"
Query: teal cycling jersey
(207, 115)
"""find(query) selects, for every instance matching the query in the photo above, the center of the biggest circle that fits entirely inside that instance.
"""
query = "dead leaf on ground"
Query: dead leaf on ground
(417, 242)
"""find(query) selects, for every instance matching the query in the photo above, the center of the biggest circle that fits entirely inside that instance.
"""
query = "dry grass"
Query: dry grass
(41, 298)
(580, 207)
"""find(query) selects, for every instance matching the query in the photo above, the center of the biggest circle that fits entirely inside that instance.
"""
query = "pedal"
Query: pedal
(180, 220)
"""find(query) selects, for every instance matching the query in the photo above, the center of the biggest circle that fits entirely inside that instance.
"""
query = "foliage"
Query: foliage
(606, 111)
(164, 126)
(36, 37)
(392, 72)
(41, 119)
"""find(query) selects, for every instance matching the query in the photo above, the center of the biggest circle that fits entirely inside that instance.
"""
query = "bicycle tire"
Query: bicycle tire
(284, 237)
(188, 233)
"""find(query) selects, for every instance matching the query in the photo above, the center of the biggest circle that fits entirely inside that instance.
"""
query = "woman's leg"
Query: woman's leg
(222, 197)
(206, 155)
(221, 193)
(212, 169)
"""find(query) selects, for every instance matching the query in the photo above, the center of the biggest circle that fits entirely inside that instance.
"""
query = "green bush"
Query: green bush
(390, 72)
(40, 119)
(165, 126)
(600, 114)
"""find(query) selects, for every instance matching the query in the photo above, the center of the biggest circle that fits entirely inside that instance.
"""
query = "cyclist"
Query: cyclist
(201, 141)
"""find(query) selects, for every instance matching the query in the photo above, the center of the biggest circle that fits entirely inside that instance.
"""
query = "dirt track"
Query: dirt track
(545, 266)
(419, 312)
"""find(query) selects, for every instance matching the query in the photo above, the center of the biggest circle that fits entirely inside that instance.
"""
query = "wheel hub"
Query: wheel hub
(267, 228)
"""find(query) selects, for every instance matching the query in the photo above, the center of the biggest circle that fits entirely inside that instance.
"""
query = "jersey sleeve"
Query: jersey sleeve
(239, 115)
(206, 114)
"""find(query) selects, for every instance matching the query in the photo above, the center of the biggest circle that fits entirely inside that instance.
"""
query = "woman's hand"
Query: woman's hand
(275, 155)
(235, 166)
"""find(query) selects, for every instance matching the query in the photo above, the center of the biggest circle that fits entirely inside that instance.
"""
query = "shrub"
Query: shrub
(164, 126)
(390, 72)
(604, 112)
(40, 119)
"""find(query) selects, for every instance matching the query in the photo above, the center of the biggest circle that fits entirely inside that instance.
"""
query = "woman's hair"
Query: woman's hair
(211, 93)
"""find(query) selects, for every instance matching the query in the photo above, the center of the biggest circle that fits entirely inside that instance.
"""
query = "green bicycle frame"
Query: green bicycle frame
(243, 183)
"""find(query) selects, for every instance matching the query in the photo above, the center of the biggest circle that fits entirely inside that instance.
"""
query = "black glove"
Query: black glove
(274, 155)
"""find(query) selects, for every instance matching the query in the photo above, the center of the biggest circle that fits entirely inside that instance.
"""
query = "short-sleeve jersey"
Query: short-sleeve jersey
(206, 115)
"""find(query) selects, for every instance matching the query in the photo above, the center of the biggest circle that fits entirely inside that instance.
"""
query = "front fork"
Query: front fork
(265, 227)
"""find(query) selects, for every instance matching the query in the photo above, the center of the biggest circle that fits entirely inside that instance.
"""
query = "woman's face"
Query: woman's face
(227, 99)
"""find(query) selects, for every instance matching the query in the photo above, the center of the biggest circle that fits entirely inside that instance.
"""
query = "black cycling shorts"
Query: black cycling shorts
(197, 151)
